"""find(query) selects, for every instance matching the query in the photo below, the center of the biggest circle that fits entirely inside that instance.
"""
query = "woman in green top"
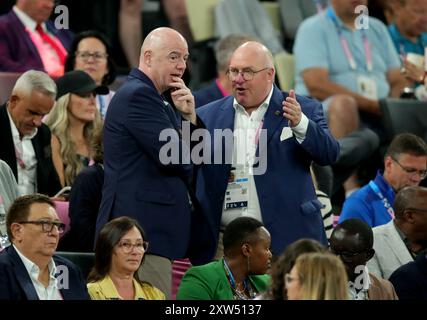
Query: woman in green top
(119, 252)
(240, 274)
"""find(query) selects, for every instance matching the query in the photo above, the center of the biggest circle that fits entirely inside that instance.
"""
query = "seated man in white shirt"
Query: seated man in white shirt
(29, 270)
(24, 139)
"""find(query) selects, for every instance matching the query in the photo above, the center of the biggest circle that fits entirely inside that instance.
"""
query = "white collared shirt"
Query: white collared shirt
(27, 21)
(52, 291)
(246, 128)
(24, 150)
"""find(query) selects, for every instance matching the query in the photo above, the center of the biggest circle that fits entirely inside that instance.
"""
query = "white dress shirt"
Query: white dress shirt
(51, 292)
(26, 160)
(246, 129)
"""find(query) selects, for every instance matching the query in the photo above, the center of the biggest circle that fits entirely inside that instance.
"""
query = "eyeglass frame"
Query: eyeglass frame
(411, 171)
(346, 255)
(121, 244)
(242, 72)
(59, 225)
(97, 56)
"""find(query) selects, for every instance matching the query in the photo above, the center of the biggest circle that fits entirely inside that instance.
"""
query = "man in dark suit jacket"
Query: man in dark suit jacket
(25, 110)
(18, 53)
(295, 133)
(29, 270)
(410, 280)
(139, 180)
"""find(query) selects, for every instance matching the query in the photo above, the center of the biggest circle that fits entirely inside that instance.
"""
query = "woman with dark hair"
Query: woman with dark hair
(284, 264)
(91, 52)
(240, 274)
(119, 252)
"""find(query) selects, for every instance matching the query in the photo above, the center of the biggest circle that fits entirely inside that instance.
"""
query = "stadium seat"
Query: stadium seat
(285, 69)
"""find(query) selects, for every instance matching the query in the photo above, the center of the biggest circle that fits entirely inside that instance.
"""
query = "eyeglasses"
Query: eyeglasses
(247, 74)
(411, 171)
(127, 246)
(85, 55)
(289, 279)
(47, 226)
(346, 255)
(416, 209)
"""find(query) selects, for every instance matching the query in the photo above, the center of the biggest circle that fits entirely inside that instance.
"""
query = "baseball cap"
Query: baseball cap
(78, 81)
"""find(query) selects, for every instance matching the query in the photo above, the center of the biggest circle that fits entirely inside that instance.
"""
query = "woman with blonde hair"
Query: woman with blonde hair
(317, 276)
(72, 122)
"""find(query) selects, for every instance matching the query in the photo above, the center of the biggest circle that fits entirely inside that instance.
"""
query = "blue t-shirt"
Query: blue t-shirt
(366, 205)
(318, 45)
(404, 45)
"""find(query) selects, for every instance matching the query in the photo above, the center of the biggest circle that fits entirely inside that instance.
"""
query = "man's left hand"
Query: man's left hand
(292, 109)
(183, 100)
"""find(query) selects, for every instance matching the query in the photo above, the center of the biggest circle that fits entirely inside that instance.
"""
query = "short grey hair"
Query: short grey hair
(225, 48)
(33, 80)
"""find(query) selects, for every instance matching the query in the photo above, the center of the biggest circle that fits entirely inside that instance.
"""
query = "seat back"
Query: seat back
(7, 82)
(201, 18)
(404, 115)
(84, 260)
(285, 69)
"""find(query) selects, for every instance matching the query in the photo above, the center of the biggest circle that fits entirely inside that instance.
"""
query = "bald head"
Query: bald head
(160, 37)
(256, 51)
(164, 54)
(410, 198)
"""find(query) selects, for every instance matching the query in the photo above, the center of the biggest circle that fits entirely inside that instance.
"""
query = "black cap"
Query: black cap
(78, 81)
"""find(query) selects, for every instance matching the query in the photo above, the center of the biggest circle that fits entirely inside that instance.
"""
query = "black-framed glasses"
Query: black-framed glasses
(85, 55)
(247, 74)
(127, 245)
(346, 255)
(47, 226)
(411, 171)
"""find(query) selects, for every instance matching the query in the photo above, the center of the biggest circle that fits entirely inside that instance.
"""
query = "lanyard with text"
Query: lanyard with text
(19, 157)
(344, 43)
(386, 204)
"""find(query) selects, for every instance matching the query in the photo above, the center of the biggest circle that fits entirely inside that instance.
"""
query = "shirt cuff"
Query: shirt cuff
(300, 130)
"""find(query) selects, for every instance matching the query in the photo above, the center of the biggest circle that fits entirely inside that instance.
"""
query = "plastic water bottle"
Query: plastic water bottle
(4, 240)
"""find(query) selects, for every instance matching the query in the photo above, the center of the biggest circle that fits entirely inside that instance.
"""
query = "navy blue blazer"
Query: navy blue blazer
(136, 182)
(207, 94)
(16, 284)
(17, 51)
(410, 280)
(289, 206)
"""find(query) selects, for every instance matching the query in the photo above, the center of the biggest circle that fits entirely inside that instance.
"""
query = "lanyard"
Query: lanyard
(344, 43)
(384, 200)
(257, 133)
(232, 281)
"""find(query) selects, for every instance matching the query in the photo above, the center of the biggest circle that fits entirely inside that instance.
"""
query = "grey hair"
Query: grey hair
(225, 47)
(33, 80)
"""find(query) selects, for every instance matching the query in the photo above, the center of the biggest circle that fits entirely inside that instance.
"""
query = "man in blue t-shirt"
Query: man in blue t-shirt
(405, 164)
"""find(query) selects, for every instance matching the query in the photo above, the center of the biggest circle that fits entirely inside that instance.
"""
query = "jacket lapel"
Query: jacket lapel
(397, 245)
(22, 275)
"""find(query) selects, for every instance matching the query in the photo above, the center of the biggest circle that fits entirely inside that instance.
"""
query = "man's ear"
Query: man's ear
(409, 216)
(17, 231)
(148, 57)
(370, 253)
(246, 250)
(387, 163)
(13, 100)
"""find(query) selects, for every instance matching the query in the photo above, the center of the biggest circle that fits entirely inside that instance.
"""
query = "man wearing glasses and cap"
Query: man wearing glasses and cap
(29, 270)
(405, 164)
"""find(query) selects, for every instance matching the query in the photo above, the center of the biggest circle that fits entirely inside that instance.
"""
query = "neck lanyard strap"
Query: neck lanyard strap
(346, 48)
(384, 200)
